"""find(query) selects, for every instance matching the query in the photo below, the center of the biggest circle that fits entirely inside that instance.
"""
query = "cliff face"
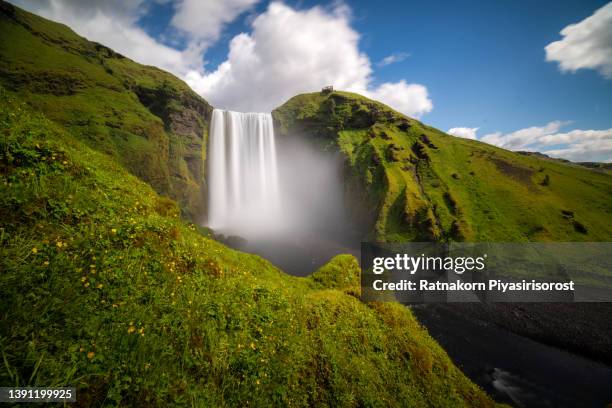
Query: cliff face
(147, 119)
(409, 181)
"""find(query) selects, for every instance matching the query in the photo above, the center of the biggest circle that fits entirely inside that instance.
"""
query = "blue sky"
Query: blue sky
(482, 61)
(477, 66)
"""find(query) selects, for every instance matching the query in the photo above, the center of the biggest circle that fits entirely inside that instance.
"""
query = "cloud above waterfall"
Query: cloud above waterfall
(293, 51)
(204, 20)
(286, 51)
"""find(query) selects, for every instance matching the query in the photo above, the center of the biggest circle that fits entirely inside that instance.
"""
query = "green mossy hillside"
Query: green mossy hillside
(148, 120)
(413, 182)
(104, 287)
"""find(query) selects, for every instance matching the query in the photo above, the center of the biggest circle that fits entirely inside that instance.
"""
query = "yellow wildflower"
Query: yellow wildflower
(131, 329)
(114, 231)
(91, 355)
(34, 250)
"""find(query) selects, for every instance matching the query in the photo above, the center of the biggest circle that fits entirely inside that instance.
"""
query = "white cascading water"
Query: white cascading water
(243, 173)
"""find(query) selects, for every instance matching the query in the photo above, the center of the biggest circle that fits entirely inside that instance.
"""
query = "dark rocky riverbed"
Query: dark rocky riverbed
(514, 368)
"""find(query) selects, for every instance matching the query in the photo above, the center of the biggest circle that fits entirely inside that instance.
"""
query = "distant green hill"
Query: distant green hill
(104, 287)
(413, 182)
(149, 120)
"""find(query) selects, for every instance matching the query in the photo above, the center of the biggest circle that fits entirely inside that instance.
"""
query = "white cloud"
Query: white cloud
(276, 61)
(587, 44)
(575, 145)
(392, 59)
(524, 137)
(465, 132)
(204, 20)
(589, 150)
(411, 99)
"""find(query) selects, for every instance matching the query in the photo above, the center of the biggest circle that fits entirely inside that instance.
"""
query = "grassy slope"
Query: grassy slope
(104, 287)
(417, 183)
(147, 119)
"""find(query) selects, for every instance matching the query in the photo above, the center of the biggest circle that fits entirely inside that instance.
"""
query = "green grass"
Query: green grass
(146, 119)
(418, 183)
(104, 287)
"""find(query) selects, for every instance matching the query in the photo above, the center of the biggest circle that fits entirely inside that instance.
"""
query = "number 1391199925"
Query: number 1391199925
(37, 394)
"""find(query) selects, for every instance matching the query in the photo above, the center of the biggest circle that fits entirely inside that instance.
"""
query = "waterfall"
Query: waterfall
(242, 172)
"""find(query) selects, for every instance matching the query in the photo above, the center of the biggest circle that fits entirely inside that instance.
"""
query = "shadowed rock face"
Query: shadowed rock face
(149, 120)
(186, 118)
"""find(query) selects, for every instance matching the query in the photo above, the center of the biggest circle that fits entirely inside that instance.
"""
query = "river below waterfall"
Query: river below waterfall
(515, 369)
